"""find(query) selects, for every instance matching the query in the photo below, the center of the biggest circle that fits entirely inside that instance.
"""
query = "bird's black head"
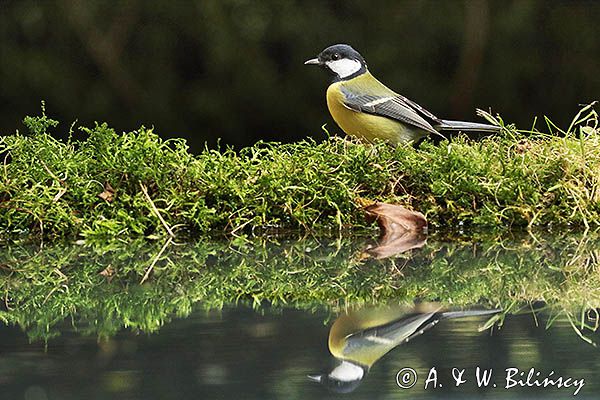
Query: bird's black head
(342, 60)
(336, 385)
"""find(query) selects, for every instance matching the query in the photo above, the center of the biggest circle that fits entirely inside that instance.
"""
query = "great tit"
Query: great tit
(358, 339)
(365, 108)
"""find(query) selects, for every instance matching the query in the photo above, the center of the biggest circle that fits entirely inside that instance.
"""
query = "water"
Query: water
(308, 319)
(267, 354)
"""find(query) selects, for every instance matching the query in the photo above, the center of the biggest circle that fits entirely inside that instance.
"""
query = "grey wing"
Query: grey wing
(425, 113)
(395, 332)
(395, 107)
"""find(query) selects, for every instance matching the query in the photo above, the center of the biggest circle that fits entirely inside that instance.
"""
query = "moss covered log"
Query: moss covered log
(105, 183)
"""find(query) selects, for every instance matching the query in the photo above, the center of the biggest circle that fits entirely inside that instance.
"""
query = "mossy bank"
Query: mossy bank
(104, 183)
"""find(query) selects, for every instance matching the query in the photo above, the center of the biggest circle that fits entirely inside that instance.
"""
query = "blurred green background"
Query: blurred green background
(233, 69)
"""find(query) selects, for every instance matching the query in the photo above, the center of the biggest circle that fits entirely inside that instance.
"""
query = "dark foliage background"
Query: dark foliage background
(233, 68)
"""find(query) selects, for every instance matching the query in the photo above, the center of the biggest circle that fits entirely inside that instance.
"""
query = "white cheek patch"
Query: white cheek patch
(347, 372)
(344, 67)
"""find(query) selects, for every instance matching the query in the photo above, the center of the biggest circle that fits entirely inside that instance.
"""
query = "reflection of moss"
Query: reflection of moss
(42, 287)
(96, 186)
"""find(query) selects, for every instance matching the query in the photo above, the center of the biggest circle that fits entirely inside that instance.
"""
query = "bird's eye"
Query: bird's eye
(336, 56)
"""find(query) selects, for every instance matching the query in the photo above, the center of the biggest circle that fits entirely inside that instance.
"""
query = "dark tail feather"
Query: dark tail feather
(446, 125)
(468, 313)
(449, 315)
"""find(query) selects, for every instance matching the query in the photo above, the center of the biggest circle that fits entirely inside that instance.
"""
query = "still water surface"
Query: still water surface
(302, 319)
(264, 353)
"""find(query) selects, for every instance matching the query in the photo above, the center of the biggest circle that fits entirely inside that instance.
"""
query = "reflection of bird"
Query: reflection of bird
(366, 108)
(359, 339)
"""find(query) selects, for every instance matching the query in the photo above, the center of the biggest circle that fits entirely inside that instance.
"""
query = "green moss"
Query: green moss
(51, 188)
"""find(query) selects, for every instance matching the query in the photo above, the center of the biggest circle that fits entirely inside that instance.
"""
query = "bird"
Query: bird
(365, 108)
(359, 338)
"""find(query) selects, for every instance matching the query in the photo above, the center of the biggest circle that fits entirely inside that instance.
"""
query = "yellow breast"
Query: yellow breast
(364, 352)
(364, 126)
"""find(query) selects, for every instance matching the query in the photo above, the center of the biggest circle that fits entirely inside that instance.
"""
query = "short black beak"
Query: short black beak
(312, 61)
